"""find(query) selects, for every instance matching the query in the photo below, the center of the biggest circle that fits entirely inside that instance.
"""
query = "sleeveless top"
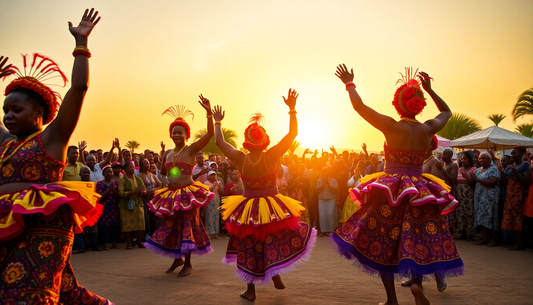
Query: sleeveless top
(257, 186)
(185, 168)
(27, 161)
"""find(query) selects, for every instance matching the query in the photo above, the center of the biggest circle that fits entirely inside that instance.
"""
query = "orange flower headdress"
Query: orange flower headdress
(42, 69)
(255, 135)
(409, 99)
(179, 113)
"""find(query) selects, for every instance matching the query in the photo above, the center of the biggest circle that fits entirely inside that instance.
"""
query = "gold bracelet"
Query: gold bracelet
(293, 111)
(218, 122)
(209, 116)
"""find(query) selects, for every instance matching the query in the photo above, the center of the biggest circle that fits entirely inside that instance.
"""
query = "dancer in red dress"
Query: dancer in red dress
(182, 232)
(267, 237)
(400, 228)
(39, 214)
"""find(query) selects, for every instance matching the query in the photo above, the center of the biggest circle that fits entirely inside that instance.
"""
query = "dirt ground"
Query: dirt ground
(493, 276)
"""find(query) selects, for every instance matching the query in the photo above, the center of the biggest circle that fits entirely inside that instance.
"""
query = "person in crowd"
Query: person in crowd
(96, 168)
(218, 159)
(30, 104)
(486, 198)
(182, 233)
(109, 222)
(126, 155)
(200, 170)
(235, 185)
(312, 198)
(131, 190)
(212, 213)
(516, 180)
(431, 164)
(298, 188)
(283, 181)
(464, 193)
(267, 237)
(151, 186)
(117, 170)
(400, 202)
(504, 162)
(223, 173)
(90, 231)
(326, 189)
(72, 169)
(350, 206)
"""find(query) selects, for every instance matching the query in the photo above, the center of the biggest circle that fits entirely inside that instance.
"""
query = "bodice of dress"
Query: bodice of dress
(185, 168)
(399, 161)
(27, 161)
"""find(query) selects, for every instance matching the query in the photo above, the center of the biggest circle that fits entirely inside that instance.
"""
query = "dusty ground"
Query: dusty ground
(493, 276)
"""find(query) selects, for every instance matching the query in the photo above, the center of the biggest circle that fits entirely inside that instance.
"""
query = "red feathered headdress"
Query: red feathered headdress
(255, 135)
(179, 113)
(42, 69)
(409, 99)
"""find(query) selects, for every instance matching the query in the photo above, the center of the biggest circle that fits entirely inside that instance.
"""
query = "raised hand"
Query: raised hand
(116, 143)
(205, 103)
(5, 71)
(162, 146)
(364, 147)
(218, 113)
(291, 99)
(425, 80)
(343, 73)
(473, 176)
(87, 23)
(82, 146)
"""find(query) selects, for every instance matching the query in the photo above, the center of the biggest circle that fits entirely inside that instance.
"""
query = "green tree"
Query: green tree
(293, 147)
(524, 105)
(211, 148)
(132, 145)
(525, 130)
(458, 126)
(496, 118)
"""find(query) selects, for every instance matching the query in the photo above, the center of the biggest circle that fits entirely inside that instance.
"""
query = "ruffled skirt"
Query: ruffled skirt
(182, 231)
(400, 229)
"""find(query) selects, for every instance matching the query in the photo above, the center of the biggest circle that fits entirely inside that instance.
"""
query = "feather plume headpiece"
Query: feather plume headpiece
(409, 99)
(41, 69)
(179, 113)
(255, 135)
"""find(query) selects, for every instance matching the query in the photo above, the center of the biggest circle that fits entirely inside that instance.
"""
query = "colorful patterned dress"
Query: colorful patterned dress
(131, 219)
(400, 228)
(267, 238)
(111, 214)
(37, 227)
(464, 214)
(515, 199)
(182, 231)
(486, 199)
(212, 211)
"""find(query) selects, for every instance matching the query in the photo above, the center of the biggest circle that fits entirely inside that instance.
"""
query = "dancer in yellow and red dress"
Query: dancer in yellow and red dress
(39, 214)
(182, 232)
(400, 228)
(267, 237)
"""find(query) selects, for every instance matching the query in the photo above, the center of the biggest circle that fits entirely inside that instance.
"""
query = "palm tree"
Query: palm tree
(525, 130)
(524, 105)
(133, 145)
(496, 118)
(458, 126)
(230, 136)
(293, 147)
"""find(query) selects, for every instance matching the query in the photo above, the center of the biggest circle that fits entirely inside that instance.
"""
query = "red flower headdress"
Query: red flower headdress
(42, 69)
(179, 113)
(255, 135)
(409, 99)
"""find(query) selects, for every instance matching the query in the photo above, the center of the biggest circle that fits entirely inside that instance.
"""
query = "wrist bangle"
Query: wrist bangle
(350, 84)
(209, 116)
(293, 111)
(218, 122)
(81, 50)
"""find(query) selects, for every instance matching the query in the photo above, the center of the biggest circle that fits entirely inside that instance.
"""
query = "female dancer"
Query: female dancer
(399, 228)
(39, 214)
(267, 237)
(182, 231)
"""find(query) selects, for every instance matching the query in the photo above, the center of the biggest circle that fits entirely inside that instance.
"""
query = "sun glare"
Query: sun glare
(312, 136)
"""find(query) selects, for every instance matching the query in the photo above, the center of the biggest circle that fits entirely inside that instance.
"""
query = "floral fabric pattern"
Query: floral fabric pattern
(486, 200)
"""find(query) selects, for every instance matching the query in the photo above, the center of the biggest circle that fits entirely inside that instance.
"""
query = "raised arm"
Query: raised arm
(82, 146)
(58, 133)
(278, 150)
(376, 119)
(229, 151)
(109, 157)
(202, 142)
(445, 114)
(4, 71)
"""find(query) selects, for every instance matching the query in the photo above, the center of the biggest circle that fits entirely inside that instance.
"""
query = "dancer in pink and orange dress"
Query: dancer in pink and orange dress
(39, 213)
(267, 237)
(182, 232)
(400, 229)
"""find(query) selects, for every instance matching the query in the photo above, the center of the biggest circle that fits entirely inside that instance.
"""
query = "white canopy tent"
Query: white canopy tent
(493, 137)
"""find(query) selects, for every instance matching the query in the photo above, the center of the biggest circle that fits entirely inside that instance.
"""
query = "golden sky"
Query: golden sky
(244, 55)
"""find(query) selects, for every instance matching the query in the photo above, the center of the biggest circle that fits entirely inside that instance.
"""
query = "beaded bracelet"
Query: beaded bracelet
(218, 122)
(348, 86)
(209, 116)
(81, 50)
(293, 111)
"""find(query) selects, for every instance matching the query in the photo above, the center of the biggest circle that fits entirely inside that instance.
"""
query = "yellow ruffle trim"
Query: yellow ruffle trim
(430, 177)
(231, 203)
